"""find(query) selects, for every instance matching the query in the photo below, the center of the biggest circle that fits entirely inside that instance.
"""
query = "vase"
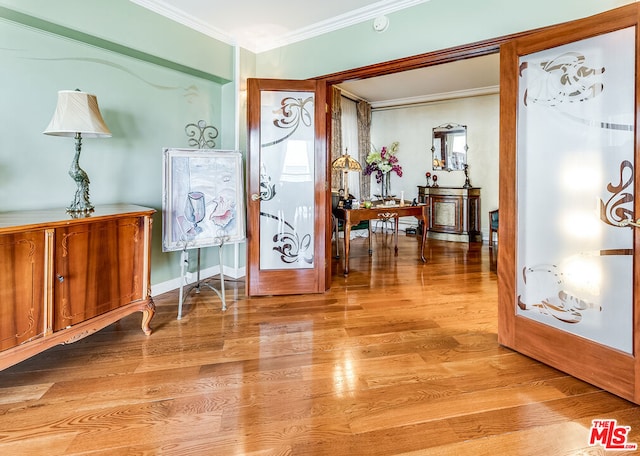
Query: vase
(385, 185)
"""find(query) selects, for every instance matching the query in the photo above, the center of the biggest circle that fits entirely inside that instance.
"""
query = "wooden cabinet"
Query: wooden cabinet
(454, 213)
(64, 278)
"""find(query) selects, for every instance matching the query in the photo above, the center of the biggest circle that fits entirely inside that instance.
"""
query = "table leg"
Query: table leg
(396, 236)
(424, 238)
(347, 236)
(336, 229)
(370, 249)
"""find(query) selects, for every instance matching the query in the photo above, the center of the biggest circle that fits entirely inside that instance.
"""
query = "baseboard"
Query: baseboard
(174, 284)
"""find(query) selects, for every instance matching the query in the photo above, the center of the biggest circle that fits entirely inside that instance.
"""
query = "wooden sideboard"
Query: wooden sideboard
(64, 278)
(454, 213)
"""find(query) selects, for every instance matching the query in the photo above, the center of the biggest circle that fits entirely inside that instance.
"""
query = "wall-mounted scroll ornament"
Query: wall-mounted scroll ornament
(201, 135)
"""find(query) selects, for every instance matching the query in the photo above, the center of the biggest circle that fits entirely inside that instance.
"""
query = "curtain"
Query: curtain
(336, 133)
(364, 144)
(350, 143)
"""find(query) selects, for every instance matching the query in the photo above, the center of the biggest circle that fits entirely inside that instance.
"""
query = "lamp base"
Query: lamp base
(80, 205)
(77, 213)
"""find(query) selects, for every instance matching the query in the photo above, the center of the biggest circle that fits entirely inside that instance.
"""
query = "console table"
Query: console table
(64, 278)
(454, 213)
(352, 217)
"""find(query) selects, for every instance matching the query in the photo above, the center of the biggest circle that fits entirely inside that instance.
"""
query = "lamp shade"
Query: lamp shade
(346, 162)
(77, 112)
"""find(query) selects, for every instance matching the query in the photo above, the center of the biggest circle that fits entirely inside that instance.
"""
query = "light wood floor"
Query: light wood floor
(400, 358)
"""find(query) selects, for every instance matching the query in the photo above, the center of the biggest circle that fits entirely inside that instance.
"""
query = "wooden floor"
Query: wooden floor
(400, 358)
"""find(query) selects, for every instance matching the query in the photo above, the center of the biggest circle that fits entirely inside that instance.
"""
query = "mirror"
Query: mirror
(449, 147)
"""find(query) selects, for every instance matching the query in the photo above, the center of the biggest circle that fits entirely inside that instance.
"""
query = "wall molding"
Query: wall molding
(66, 32)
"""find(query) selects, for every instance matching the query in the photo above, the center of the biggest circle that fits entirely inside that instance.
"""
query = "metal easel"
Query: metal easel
(202, 136)
(184, 263)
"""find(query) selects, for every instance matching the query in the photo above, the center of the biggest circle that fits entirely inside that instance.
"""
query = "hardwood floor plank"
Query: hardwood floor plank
(508, 420)
(380, 417)
(17, 394)
(421, 437)
(49, 444)
(564, 439)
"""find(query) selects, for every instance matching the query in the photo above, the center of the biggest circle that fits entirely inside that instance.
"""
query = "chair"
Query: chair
(338, 226)
(493, 226)
(386, 224)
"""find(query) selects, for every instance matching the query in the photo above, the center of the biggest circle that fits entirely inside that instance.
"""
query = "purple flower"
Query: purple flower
(385, 161)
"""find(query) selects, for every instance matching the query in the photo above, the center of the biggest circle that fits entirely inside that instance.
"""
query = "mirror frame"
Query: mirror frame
(443, 133)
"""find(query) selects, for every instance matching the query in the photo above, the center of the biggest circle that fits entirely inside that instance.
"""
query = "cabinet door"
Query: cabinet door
(21, 287)
(446, 214)
(99, 267)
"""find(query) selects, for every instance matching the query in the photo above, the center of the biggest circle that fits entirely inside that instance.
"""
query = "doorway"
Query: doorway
(414, 154)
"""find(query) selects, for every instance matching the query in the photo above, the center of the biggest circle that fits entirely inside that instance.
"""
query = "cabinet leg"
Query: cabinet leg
(148, 312)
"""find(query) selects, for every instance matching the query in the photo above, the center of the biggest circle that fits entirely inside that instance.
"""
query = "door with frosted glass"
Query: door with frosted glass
(287, 188)
(567, 193)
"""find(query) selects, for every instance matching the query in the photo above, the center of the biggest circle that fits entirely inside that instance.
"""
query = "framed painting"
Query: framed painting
(203, 194)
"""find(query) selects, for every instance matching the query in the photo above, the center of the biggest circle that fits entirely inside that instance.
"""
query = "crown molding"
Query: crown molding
(344, 20)
(339, 22)
(422, 99)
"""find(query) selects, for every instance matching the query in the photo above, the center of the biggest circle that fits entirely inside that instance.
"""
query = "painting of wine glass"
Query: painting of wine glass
(203, 198)
(194, 211)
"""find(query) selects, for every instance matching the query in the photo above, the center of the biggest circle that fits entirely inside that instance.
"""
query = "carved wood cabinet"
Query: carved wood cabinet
(454, 213)
(64, 278)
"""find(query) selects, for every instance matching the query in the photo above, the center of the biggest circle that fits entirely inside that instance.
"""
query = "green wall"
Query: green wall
(151, 76)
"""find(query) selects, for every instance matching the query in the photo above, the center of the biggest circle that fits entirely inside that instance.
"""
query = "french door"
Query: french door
(287, 172)
(567, 259)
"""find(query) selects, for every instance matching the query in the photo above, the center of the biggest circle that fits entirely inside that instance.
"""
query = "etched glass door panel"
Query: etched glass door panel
(575, 185)
(287, 178)
(287, 207)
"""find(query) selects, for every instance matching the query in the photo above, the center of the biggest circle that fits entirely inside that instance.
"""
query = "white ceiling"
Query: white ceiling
(464, 78)
(260, 25)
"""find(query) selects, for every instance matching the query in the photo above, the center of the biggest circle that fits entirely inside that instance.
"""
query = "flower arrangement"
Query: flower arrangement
(383, 162)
